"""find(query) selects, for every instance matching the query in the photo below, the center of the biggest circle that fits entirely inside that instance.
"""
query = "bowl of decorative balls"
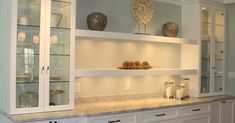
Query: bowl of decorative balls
(135, 65)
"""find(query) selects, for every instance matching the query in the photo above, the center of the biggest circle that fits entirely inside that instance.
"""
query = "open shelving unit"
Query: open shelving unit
(186, 53)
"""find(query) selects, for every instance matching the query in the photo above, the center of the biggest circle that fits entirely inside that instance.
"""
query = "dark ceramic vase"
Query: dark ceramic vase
(96, 21)
(170, 29)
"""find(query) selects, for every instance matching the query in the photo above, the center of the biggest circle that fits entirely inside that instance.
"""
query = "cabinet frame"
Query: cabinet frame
(191, 28)
(44, 60)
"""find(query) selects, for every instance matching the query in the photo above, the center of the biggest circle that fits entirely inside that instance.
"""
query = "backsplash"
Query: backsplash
(113, 86)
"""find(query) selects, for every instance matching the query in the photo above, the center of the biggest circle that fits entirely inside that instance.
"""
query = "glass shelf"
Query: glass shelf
(28, 27)
(37, 27)
(22, 54)
(208, 23)
(55, 3)
(219, 59)
(60, 28)
(36, 81)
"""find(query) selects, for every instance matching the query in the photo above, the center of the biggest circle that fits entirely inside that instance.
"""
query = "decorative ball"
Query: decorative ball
(96, 21)
(170, 29)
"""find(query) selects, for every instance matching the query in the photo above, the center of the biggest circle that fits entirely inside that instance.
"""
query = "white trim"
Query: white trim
(117, 72)
(134, 37)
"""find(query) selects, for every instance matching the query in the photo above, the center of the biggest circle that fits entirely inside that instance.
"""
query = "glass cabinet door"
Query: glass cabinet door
(206, 30)
(60, 29)
(28, 54)
(219, 50)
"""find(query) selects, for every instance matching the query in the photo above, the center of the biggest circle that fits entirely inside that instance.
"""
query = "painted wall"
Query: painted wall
(230, 63)
(120, 20)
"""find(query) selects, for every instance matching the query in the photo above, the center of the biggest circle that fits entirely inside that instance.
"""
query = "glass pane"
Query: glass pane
(219, 50)
(60, 53)
(205, 48)
(27, 54)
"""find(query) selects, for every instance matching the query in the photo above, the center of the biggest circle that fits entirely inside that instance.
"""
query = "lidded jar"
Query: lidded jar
(185, 85)
(169, 90)
(28, 99)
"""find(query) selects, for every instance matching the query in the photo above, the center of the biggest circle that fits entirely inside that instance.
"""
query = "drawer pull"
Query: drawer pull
(114, 121)
(223, 101)
(196, 109)
(158, 115)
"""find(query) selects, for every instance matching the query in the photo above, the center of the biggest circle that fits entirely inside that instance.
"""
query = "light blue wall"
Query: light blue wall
(230, 35)
(120, 17)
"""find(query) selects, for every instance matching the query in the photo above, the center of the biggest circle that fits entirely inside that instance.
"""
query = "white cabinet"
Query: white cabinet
(227, 111)
(165, 121)
(195, 114)
(222, 112)
(158, 116)
(40, 73)
(122, 118)
(208, 26)
(196, 119)
(70, 120)
(194, 110)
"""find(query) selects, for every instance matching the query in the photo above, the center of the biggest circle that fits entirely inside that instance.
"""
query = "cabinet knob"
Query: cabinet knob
(42, 69)
(213, 67)
(224, 101)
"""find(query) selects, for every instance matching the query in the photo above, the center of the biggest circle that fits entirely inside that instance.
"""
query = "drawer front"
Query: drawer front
(114, 119)
(197, 109)
(158, 115)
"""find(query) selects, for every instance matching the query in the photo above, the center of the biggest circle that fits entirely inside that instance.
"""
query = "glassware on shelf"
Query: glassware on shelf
(28, 99)
(23, 20)
(53, 93)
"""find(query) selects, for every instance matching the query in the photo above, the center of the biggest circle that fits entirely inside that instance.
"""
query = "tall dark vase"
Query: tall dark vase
(96, 21)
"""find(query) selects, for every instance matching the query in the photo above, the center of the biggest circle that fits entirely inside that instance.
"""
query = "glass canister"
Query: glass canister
(169, 90)
(185, 86)
(28, 99)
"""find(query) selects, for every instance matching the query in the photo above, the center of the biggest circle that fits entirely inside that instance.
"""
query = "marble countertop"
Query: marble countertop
(115, 107)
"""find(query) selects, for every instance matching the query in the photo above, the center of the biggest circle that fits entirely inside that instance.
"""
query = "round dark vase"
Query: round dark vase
(96, 21)
(170, 29)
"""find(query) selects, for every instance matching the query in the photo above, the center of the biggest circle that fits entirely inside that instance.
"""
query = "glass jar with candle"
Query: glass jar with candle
(185, 85)
(180, 93)
(169, 90)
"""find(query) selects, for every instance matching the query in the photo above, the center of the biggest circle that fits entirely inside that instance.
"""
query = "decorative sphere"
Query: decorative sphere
(170, 29)
(96, 21)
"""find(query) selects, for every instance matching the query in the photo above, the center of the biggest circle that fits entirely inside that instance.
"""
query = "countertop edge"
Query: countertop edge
(11, 117)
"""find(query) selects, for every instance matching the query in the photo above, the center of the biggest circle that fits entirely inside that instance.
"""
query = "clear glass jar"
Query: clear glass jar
(169, 90)
(185, 85)
(28, 99)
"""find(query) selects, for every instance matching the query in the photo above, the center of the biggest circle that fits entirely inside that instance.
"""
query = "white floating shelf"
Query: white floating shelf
(118, 72)
(133, 37)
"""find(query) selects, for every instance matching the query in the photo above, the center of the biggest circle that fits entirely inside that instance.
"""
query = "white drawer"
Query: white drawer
(158, 115)
(129, 118)
(196, 109)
